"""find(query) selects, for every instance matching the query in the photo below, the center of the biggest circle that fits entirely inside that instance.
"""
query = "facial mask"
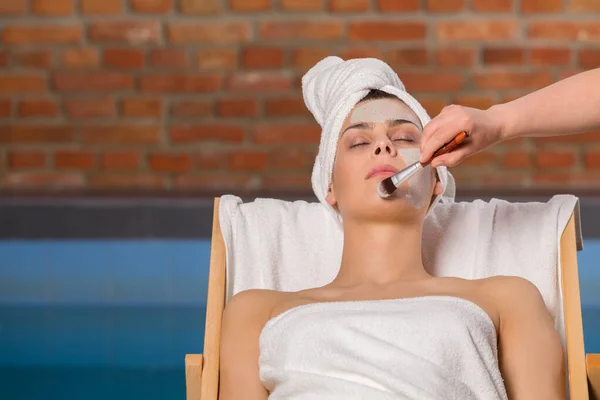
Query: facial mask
(416, 190)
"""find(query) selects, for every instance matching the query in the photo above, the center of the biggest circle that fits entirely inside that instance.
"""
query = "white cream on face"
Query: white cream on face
(416, 190)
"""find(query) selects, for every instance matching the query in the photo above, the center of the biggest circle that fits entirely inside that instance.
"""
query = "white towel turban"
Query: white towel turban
(331, 89)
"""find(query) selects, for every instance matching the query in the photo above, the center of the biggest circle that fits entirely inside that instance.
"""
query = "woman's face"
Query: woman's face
(377, 138)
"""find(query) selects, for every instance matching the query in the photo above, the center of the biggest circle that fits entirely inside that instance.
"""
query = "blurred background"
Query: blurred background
(120, 120)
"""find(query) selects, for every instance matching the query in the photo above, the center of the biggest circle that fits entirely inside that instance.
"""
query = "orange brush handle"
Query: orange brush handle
(448, 147)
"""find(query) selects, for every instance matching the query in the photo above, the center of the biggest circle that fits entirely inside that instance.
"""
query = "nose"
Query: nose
(385, 146)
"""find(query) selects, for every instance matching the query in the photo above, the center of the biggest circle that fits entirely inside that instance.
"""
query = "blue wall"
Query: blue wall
(114, 319)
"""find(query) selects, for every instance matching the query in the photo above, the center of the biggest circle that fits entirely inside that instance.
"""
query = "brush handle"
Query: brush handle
(448, 147)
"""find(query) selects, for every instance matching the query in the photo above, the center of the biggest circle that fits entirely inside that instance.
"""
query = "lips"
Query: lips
(381, 170)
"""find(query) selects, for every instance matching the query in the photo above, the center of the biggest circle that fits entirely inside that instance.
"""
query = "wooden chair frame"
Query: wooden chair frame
(202, 371)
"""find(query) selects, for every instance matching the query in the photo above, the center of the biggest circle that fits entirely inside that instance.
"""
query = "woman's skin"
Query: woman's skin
(569, 106)
(381, 259)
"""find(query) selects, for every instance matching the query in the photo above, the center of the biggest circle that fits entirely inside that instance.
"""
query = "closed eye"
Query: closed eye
(358, 144)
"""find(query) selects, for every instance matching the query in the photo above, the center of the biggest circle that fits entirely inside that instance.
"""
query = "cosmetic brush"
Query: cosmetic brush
(389, 185)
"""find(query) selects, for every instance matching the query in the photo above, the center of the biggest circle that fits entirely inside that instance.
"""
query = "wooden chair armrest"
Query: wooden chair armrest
(593, 374)
(193, 376)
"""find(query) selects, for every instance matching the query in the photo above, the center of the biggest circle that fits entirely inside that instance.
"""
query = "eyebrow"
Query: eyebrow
(390, 123)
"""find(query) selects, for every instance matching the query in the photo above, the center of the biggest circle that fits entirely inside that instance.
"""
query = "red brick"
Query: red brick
(544, 6)
(124, 160)
(207, 133)
(445, 5)
(19, 83)
(564, 30)
(36, 134)
(398, 6)
(512, 80)
(41, 34)
(503, 55)
(516, 159)
(220, 182)
(206, 159)
(213, 32)
(263, 81)
(478, 30)
(386, 30)
(349, 5)
(550, 56)
(592, 160)
(476, 101)
(216, 58)
(52, 7)
(192, 109)
(80, 58)
(200, 6)
(121, 134)
(589, 58)
(407, 57)
(492, 6)
(291, 159)
(286, 182)
(455, 57)
(34, 59)
(584, 6)
(151, 6)
(123, 58)
(184, 83)
(75, 159)
(26, 159)
(554, 159)
(294, 133)
(127, 32)
(285, 107)
(309, 56)
(248, 160)
(357, 52)
(168, 162)
(433, 105)
(298, 30)
(15, 7)
(263, 57)
(38, 108)
(480, 160)
(169, 58)
(90, 107)
(559, 180)
(101, 7)
(134, 181)
(92, 81)
(301, 5)
(5, 108)
(237, 108)
(141, 107)
(4, 59)
(249, 5)
(432, 81)
(52, 180)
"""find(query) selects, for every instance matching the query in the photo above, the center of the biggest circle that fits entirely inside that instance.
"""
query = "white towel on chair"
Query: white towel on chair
(290, 246)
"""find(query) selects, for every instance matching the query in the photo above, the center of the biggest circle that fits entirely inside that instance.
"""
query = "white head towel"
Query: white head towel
(331, 89)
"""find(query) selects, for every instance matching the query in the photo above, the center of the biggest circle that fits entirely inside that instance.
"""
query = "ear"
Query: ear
(438, 188)
(331, 197)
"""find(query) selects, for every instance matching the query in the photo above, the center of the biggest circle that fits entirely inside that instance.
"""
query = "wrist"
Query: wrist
(501, 122)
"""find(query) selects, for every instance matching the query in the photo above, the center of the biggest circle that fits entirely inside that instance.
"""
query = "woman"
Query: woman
(569, 106)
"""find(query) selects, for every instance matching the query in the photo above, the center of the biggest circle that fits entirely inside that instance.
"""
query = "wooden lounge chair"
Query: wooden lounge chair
(202, 370)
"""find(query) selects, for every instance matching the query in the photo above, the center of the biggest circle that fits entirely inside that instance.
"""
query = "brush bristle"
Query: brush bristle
(385, 188)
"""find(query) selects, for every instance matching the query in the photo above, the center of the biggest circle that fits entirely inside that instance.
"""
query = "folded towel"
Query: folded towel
(291, 246)
(331, 89)
(427, 348)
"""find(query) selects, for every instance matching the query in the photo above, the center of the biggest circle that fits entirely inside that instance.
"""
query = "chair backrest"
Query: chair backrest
(564, 263)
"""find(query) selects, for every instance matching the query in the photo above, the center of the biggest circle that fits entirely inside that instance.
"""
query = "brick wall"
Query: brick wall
(205, 94)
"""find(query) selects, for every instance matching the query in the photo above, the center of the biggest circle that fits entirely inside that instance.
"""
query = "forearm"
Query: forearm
(566, 107)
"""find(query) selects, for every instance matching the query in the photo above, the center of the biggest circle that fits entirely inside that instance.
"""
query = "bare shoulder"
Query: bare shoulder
(507, 287)
(255, 304)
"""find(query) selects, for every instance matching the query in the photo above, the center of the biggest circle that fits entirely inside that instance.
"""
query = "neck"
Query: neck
(380, 254)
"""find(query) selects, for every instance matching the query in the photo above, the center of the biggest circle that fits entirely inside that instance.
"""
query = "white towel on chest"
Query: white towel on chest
(290, 246)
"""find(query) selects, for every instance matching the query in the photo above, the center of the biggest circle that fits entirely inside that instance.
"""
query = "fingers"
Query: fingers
(442, 129)
(451, 159)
